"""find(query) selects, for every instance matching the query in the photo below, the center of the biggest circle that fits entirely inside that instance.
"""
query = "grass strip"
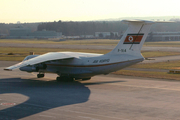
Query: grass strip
(87, 42)
(66, 42)
(159, 65)
(163, 44)
(148, 54)
(148, 74)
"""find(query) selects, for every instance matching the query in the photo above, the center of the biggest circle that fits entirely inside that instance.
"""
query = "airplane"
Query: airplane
(71, 66)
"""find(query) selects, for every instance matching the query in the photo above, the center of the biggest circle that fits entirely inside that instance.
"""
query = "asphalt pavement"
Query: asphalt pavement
(111, 97)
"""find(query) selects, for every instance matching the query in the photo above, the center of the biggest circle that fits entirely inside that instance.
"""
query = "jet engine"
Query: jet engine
(29, 69)
(33, 68)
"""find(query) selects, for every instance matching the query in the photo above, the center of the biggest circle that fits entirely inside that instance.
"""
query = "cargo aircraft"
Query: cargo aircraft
(75, 65)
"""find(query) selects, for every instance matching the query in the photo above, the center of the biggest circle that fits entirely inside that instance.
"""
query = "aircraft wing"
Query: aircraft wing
(41, 59)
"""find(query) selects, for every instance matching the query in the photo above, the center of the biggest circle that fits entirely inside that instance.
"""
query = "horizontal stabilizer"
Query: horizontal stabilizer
(136, 21)
(145, 21)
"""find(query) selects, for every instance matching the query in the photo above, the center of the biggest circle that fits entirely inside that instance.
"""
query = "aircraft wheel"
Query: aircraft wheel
(58, 79)
(40, 75)
(70, 79)
(65, 79)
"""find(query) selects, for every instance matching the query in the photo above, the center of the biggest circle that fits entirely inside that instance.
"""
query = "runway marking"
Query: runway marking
(146, 87)
(7, 104)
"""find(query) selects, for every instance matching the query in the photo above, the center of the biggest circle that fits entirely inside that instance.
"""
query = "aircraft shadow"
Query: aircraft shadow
(43, 95)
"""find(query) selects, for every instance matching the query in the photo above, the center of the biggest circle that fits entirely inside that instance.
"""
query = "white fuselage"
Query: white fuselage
(87, 65)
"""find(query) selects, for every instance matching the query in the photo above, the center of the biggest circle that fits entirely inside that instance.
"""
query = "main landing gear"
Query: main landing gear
(40, 75)
(65, 79)
(69, 79)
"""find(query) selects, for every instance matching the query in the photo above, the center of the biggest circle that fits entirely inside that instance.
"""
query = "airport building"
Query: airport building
(46, 34)
(104, 34)
(21, 32)
(163, 36)
(3, 35)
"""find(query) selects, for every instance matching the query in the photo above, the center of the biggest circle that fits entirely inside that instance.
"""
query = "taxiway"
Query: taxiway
(111, 97)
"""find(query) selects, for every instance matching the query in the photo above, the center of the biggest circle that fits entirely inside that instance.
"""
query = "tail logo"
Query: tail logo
(130, 38)
(133, 39)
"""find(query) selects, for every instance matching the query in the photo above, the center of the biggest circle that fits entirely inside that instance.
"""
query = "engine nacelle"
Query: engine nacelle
(34, 68)
(41, 66)
(29, 69)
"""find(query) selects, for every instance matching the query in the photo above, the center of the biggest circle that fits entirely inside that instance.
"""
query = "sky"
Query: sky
(12, 11)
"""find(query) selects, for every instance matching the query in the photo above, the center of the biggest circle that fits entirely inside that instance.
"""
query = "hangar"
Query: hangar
(163, 36)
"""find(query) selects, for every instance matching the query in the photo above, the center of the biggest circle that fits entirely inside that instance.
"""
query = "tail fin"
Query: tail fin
(133, 39)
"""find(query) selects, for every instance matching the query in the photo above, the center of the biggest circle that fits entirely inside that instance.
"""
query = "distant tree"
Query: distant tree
(82, 28)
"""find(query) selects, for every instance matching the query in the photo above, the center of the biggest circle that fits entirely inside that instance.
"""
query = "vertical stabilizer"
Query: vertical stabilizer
(133, 39)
